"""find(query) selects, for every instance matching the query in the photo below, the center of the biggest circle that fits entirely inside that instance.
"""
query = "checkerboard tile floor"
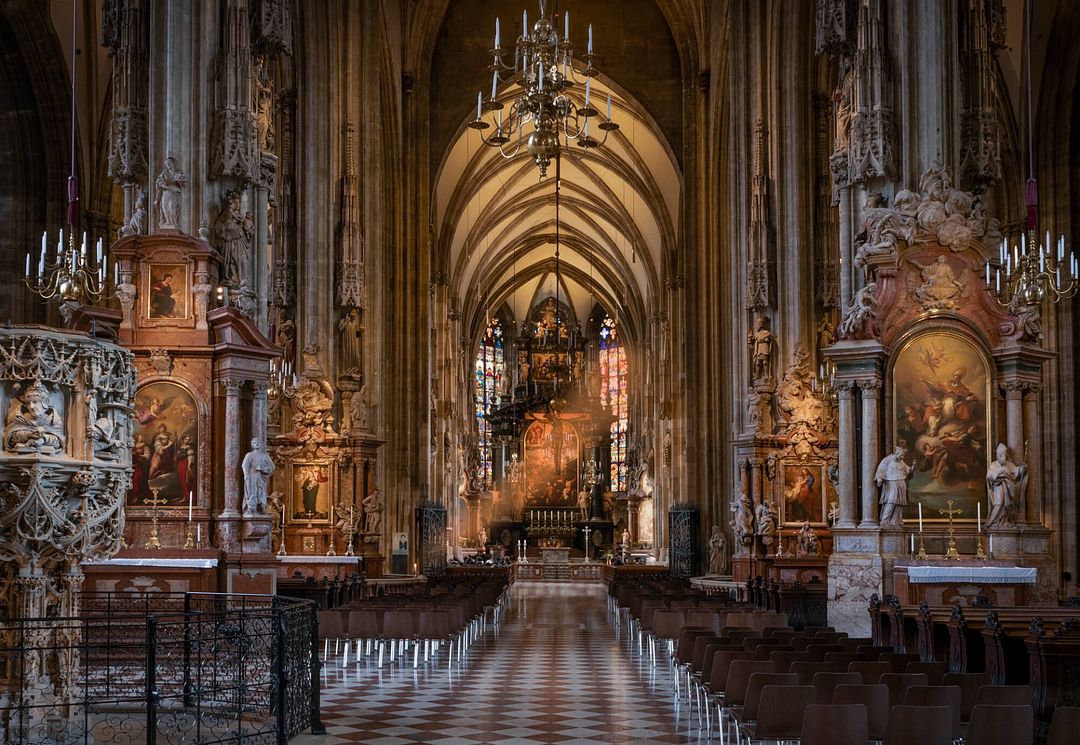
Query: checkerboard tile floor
(553, 673)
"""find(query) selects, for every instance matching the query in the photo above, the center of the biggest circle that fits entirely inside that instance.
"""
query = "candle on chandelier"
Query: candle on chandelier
(566, 25)
(997, 280)
(988, 274)
(494, 83)
(479, 102)
(588, 88)
(590, 38)
(524, 23)
(82, 249)
(116, 274)
(27, 272)
(609, 107)
(1061, 247)
(496, 32)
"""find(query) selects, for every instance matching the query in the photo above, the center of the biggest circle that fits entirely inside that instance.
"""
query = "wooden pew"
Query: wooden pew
(1053, 662)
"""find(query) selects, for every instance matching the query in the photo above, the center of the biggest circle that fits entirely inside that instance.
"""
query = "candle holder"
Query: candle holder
(979, 552)
(189, 541)
(922, 550)
(155, 502)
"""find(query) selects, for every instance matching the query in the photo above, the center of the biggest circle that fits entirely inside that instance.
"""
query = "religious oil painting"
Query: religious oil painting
(551, 464)
(546, 366)
(167, 293)
(164, 454)
(310, 501)
(804, 494)
(941, 385)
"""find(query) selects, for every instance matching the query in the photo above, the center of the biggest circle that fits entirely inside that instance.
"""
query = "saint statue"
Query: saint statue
(717, 551)
(234, 231)
(808, 541)
(583, 504)
(373, 507)
(1006, 484)
(262, 104)
(742, 520)
(761, 341)
(891, 477)
(32, 424)
(766, 523)
(258, 468)
(136, 224)
(170, 184)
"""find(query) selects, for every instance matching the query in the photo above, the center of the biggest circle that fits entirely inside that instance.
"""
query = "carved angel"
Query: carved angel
(863, 308)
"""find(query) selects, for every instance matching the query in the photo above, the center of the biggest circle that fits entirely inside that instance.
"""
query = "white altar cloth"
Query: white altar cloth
(150, 562)
(978, 575)
(317, 559)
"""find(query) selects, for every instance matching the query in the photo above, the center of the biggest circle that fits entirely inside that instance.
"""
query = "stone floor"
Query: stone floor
(555, 672)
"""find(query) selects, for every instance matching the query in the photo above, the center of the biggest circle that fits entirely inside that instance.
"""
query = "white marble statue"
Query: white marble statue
(892, 475)
(717, 551)
(742, 520)
(258, 468)
(373, 506)
(170, 183)
(1006, 484)
(766, 522)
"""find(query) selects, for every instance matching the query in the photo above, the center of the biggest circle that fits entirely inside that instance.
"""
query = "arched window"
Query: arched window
(489, 368)
(613, 384)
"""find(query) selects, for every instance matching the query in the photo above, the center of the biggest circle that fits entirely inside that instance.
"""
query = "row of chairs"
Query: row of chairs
(425, 621)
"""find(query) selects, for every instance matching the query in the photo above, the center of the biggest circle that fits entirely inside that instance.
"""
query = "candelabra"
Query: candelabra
(544, 62)
(155, 503)
(68, 273)
(1030, 272)
(950, 511)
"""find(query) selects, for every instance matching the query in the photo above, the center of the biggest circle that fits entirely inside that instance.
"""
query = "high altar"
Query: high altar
(932, 371)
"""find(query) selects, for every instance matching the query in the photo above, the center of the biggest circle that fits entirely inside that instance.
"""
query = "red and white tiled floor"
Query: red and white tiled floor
(554, 673)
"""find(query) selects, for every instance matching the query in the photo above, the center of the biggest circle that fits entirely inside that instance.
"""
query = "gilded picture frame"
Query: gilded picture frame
(803, 493)
(311, 493)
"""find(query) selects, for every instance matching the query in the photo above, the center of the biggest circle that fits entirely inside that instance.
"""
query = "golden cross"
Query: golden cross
(155, 501)
(950, 511)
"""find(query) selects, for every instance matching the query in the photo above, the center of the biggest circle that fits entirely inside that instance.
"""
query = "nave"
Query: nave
(554, 672)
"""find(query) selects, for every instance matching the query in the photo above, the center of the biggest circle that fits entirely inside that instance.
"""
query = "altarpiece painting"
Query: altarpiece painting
(941, 386)
(163, 457)
(551, 464)
(803, 494)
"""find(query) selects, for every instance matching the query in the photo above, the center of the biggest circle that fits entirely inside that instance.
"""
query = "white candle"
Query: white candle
(978, 517)
(590, 38)
(566, 25)
(479, 101)
(27, 272)
(609, 107)
(283, 517)
(496, 32)
(116, 274)
(991, 545)
(198, 535)
(912, 536)
(44, 241)
(987, 272)
(494, 83)
(524, 23)
(190, 504)
(99, 251)
(920, 517)
(588, 89)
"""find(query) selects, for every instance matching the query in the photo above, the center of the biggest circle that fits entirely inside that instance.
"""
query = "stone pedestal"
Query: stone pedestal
(256, 533)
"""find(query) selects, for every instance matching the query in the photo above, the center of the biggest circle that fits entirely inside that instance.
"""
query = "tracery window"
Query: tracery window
(614, 382)
(489, 368)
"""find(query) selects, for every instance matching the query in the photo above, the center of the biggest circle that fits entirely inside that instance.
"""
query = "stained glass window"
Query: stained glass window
(489, 368)
(613, 388)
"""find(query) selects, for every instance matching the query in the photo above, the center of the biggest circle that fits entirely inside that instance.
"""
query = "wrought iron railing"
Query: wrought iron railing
(162, 668)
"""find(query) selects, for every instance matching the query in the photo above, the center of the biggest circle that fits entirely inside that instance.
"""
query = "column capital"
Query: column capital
(1014, 389)
(1032, 390)
(259, 388)
(870, 387)
(232, 386)
(845, 389)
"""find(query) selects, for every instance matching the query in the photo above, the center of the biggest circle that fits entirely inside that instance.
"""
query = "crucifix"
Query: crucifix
(155, 502)
(586, 530)
(951, 552)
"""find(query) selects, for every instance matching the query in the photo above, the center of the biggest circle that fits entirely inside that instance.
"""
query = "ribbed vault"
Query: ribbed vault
(495, 221)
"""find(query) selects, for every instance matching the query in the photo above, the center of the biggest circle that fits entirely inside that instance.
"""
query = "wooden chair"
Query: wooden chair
(834, 724)
(876, 700)
(1004, 695)
(969, 683)
(752, 699)
(825, 684)
(1064, 726)
(780, 713)
(807, 670)
(871, 672)
(1001, 725)
(935, 671)
(938, 696)
(898, 683)
(925, 725)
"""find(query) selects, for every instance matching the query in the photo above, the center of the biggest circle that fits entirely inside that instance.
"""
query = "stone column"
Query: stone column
(1032, 514)
(848, 467)
(1014, 422)
(258, 410)
(232, 447)
(871, 452)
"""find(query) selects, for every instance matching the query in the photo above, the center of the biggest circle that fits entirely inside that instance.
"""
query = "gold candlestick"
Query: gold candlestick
(951, 552)
(980, 553)
(155, 503)
(922, 549)
(190, 541)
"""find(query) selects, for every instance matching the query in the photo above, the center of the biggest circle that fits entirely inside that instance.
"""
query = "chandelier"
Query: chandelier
(544, 114)
(1031, 271)
(71, 272)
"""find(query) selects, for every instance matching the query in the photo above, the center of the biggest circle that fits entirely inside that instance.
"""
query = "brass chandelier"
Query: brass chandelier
(544, 115)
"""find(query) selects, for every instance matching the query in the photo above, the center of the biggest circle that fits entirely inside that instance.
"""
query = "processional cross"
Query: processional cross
(586, 530)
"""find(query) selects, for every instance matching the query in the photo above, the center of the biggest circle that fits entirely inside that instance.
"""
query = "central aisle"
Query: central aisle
(554, 674)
